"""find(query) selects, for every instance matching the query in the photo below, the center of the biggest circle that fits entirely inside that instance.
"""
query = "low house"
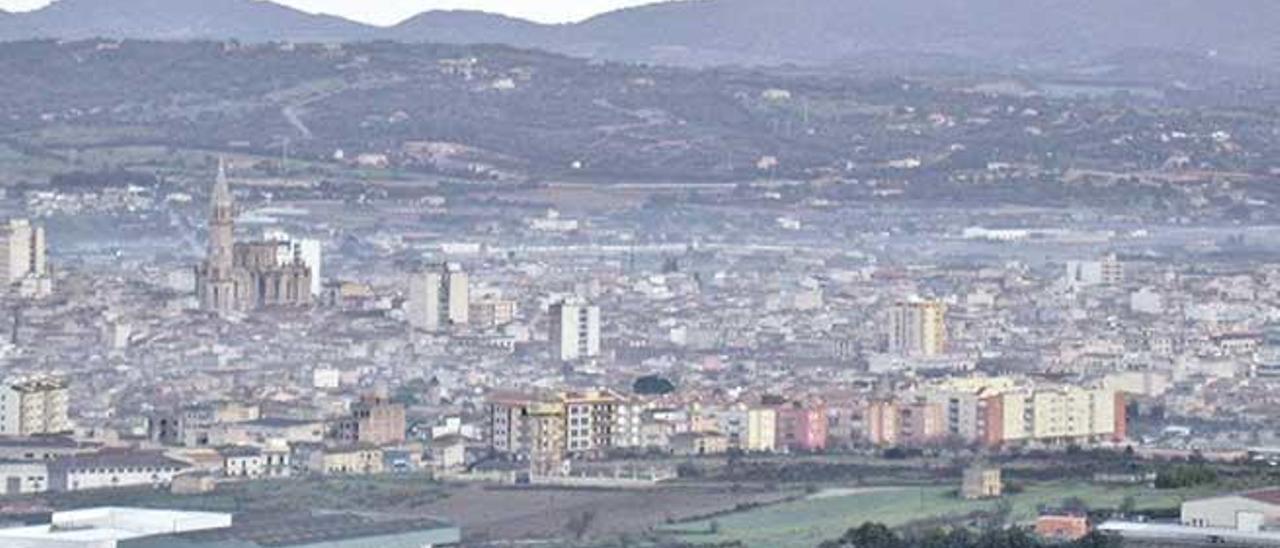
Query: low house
(354, 460)
(1062, 526)
(265, 430)
(449, 452)
(109, 469)
(402, 459)
(242, 462)
(699, 443)
(24, 477)
(981, 482)
(192, 483)
(43, 447)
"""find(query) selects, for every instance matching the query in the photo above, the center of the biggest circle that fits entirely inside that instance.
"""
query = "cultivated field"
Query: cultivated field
(826, 515)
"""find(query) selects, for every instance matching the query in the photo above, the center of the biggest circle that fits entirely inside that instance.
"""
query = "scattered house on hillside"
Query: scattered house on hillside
(982, 482)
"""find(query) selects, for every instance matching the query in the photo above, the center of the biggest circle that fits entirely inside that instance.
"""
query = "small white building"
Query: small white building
(1250, 511)
(21, 478)
(242, 462)
(112, 470)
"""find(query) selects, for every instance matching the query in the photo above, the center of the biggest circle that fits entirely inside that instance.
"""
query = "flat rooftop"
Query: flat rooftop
(112, 524)
(292, 529)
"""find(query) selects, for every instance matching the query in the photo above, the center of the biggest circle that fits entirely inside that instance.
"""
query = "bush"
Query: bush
(1184, 476)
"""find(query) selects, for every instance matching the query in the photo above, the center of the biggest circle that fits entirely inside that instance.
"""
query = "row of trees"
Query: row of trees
(1184, 476)
(875, 535)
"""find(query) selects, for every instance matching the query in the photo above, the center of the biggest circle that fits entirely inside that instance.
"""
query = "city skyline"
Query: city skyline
(720, 273)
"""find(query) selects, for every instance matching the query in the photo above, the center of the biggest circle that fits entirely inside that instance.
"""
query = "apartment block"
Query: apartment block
(575, 331)
(918, 328)
(801, 428)
(34, 407)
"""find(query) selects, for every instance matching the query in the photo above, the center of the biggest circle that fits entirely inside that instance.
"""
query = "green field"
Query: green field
(808, 522)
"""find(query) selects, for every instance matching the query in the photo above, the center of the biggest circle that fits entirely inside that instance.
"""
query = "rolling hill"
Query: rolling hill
(702, 32)
(249, 20)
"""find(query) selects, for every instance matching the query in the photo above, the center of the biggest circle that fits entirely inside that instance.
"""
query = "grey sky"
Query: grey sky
(391, 11)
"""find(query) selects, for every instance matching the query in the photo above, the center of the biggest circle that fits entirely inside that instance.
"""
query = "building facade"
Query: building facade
(997, 411)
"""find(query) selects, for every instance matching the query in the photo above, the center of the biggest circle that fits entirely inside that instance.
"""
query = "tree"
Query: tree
(1075, 504)
(653, 385)
(869, 535)
(1182, 476)
(1097, 539)
(580, 524)
(1128, 506)
(1000, 514)
(875, 535)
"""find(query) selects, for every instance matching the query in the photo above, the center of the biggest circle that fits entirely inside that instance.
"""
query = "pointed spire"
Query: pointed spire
(221, 189)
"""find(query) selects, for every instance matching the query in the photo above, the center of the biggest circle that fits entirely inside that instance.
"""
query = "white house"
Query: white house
(109, 470)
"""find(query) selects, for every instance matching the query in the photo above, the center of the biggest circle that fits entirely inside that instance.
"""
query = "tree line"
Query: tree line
(875, 535)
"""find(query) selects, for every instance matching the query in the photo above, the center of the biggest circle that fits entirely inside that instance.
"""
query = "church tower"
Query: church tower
(218, 287)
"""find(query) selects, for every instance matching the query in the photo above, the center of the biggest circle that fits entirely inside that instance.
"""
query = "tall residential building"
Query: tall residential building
(921, 423)
(801, 428)
(575, 331)
(34, 407)
(591, 418)
(880, 423)
(890, 423)
(548, 429)
(918, 328)
(22, 257)
(439, 298)
(528, 428)
(762, 430)
(246, 276)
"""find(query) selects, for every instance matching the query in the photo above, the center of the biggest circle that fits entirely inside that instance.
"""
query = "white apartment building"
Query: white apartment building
(34, 407)
(22, 258)
(439, 298)
(575, 331)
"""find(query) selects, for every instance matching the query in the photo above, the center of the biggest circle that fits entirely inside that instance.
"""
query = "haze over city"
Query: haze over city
(700, 274)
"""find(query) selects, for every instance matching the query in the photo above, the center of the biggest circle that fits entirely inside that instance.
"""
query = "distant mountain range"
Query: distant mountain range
(701, 32)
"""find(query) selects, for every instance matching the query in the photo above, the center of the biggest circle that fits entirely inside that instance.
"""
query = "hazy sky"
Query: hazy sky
(393, 11)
